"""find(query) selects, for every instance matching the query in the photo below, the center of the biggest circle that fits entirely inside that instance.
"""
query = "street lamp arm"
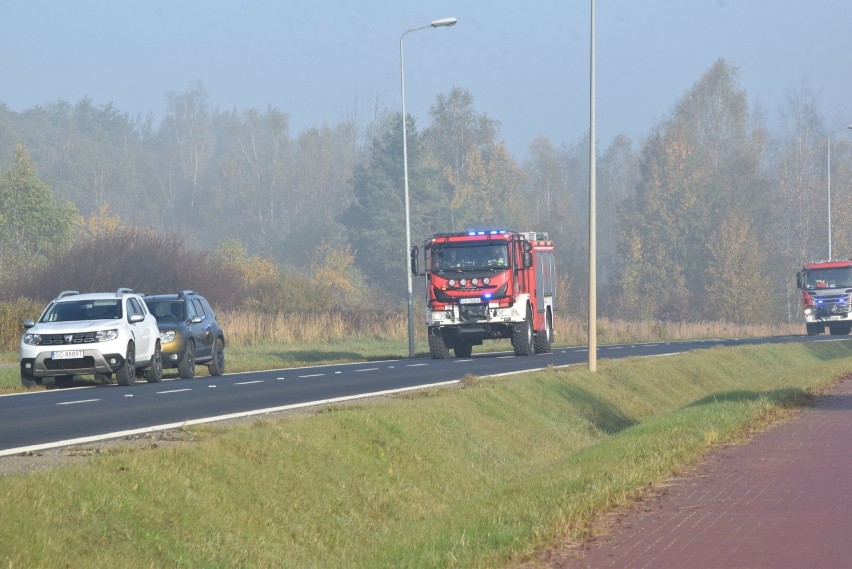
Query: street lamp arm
(442, 23)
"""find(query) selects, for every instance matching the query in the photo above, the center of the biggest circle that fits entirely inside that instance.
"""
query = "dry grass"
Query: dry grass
(251, 328)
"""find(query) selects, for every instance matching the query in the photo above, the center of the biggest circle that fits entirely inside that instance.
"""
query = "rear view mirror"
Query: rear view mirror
(415, 254)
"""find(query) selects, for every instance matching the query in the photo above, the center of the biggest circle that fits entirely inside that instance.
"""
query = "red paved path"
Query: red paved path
(780, 501)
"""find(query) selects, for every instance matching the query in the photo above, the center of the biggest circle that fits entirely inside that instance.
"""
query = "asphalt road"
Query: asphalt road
(35, 421)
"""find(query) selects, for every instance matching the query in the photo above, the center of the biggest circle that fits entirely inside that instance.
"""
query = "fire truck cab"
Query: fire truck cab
(826, 296)
(488, 285)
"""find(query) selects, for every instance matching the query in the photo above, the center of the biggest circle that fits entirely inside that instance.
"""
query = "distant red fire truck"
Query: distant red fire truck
(827, 296)
(490, 284)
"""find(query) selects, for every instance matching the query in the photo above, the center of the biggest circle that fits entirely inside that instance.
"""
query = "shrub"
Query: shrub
(11, 314)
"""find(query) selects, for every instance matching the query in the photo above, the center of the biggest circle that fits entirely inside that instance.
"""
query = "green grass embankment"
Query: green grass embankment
(478, 476)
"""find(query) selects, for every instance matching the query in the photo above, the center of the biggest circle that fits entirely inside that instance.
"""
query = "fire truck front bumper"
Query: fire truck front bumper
(461, 314)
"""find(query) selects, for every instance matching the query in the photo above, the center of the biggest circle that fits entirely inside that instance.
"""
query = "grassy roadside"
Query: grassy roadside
(479, 476)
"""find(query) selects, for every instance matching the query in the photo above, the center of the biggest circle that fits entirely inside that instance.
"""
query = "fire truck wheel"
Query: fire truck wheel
(839, 330)
(522, 336)
(815, 329)
(463, 350)
(437, 347)
(543, 339)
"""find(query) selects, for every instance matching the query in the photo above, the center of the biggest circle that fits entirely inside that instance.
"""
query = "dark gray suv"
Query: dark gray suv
(189, 332)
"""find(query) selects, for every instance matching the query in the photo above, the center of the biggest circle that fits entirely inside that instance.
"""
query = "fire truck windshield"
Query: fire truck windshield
(468, 257)
(840, 277)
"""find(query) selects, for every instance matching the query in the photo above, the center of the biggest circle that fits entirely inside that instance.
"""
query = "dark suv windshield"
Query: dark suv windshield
(167, 310)
(75, 310)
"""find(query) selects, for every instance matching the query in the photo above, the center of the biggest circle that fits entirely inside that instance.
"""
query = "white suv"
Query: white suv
(95, 333)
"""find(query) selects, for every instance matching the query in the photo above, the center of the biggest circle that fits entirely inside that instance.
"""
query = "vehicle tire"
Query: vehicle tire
(217, 364)
(437, 347)
(29, 380)
(839, 330)
(522, 336)
(63, 380)
(154, 373)
(543, 339)
(815, 329)
(103, 378)
(463, 350)
(126, 374)
(186, 365)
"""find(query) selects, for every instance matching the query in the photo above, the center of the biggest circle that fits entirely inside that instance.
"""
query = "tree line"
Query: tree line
(708, 217)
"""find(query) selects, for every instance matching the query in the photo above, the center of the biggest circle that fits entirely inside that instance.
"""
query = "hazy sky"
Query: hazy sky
(525, 62)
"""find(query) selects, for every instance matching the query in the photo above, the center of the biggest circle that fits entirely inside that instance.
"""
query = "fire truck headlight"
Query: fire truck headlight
(463, 282)
(808, 311)
(451, 282)
(486, 280)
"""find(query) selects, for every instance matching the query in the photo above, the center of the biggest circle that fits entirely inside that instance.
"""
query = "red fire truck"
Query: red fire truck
(484, 285)
(827, 296)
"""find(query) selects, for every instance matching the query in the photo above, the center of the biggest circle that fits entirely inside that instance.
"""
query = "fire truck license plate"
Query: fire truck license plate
(67, 355)
(470, 301)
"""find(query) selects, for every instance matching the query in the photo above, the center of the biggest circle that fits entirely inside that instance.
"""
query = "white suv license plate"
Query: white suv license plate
(67, 355)
(470, 301)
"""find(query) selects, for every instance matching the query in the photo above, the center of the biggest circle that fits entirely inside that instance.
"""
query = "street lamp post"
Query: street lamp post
(828, 179)
(444, 22)
(593, 277)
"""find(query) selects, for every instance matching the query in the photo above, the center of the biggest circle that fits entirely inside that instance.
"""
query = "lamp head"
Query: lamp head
(452, 22)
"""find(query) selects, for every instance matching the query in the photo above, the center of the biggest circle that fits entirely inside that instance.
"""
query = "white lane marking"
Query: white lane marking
(614, 347)
(661, 355)
(173, 391)
(462, 361)
(249, 382)
(504, 357)
(367, 369)
(312, 375)
(80, 401)
(131, 432)
(415, 365)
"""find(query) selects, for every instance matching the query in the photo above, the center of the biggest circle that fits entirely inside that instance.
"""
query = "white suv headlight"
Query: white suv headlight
(167, 336)
(106, 335)
(32, 339)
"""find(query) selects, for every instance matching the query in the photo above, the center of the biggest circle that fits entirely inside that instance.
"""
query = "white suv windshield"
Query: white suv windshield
(74, 310)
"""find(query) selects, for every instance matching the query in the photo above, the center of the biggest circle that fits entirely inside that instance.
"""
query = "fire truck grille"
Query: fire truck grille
(828, 305)
(472, 313)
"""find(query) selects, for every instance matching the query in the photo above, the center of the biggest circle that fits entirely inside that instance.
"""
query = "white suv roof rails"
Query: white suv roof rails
(65, 293)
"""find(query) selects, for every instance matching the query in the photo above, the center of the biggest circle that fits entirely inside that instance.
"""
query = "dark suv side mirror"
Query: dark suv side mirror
(800, 280)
